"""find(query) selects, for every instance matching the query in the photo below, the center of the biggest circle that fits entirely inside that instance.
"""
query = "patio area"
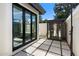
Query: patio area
(46, 47)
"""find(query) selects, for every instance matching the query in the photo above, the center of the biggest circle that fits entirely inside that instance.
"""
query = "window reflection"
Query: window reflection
(17, 26)
(27, 26)
(33, 26)
(24, 26)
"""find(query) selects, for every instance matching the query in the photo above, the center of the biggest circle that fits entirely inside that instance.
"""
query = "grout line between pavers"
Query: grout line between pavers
(38, 47)
(49, 48)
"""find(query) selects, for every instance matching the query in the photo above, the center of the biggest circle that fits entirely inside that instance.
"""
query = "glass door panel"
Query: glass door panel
(34, 26)
(24, 26)
(27, 26)
(17, 26)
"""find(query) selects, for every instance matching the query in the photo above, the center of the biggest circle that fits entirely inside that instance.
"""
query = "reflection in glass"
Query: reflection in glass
(33, 26)
(17, 26)
(24, 26)
(27, 26)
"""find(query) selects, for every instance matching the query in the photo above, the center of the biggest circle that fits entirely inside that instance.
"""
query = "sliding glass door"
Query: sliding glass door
(27, 26)
(34, 25)
(17, 26)
(24, 26)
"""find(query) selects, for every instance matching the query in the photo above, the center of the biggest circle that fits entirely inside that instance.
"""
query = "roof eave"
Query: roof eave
(38, 7)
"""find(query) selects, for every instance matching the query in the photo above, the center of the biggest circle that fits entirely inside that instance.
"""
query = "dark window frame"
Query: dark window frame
(35, 26)
(23, 19)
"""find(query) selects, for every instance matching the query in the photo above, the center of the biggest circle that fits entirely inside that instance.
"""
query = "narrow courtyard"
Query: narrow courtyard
(46, 47)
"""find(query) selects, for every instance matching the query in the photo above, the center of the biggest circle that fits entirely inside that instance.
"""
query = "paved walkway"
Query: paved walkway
(45, 47)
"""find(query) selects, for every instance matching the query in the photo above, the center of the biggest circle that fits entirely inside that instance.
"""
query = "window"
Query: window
(17, 26)
(34, 26)
(27, 26)
(24, 26)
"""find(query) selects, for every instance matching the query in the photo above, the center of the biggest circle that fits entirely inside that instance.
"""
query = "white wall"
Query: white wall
(68, 21)
(75, 30)
(42, 28)
(6, 27)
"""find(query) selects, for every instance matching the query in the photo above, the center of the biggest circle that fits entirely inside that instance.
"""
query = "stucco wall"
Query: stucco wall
(43, 29)
(6, 27)
(75, 30)
(68, 21)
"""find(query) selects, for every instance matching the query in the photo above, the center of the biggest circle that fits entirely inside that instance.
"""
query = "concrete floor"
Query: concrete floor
(45, 47)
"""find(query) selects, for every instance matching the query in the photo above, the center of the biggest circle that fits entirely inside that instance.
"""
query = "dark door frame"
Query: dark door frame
(23, 16)
(71, 42)
(49, 27)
